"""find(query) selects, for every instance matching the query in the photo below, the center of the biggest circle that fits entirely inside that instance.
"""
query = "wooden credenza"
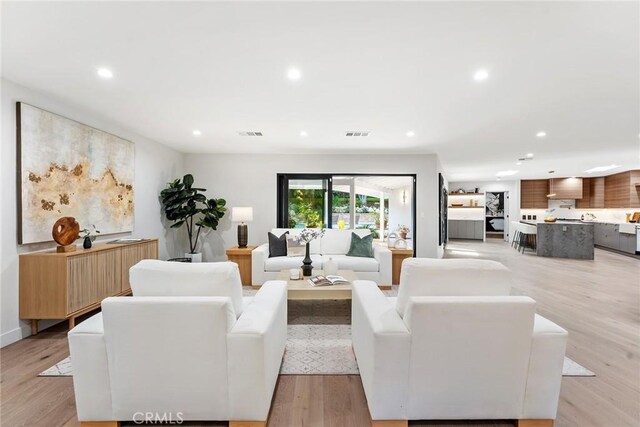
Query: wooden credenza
(66, 285)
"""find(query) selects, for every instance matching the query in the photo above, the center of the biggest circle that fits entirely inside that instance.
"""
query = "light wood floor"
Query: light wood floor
(598, 302)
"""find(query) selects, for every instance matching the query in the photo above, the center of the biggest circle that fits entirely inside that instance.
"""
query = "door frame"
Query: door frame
(282, 195)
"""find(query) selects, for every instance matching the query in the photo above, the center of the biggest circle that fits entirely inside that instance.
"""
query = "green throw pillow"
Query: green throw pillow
(361, 246)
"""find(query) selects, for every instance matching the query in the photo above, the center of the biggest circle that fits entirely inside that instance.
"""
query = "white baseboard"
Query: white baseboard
(24, 331)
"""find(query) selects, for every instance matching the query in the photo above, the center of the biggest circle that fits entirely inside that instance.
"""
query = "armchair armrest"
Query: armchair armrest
(255, 347)
(91, 370)
(258, 256)
(381, 343)
(384, 257)
(548, 347)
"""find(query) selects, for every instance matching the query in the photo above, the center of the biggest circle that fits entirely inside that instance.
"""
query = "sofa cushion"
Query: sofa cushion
(314, 245)
(155, 278)
(286, 262)
(337, 242)
(361, 246)
(277, 244)
(354, 263)
(296, 247)
(451, 277)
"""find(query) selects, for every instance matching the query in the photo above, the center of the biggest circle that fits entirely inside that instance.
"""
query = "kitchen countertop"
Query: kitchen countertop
(623, 227)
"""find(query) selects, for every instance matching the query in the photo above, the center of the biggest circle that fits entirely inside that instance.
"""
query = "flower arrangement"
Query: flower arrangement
(309, 234)
(89, 232)
(403, 229)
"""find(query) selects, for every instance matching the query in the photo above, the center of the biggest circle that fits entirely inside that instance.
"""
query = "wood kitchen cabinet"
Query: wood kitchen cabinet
(565, 188)
(621, 191)
(533, 193)
(592, 193)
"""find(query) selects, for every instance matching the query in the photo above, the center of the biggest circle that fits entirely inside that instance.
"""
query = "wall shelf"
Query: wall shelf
(466, 194)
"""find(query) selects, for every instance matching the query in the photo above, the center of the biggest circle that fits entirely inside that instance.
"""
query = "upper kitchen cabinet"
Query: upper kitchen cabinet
(622, 190)
(592, 193)
(565, 188)
(533, 193)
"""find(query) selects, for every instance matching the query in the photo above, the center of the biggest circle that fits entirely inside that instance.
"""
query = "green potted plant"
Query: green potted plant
(187, 205)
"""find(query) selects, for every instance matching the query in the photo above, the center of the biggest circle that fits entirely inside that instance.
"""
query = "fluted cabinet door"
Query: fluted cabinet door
(82, 289)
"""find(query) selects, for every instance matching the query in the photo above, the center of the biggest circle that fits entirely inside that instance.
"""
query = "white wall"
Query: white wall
(155, 165)
(513, 187)
(250, 180)
(401, 213)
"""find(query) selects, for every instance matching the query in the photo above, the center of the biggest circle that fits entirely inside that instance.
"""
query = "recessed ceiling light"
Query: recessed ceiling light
(105, 73)
(294, 74)
(481, 75)
(196, 132)
(506, 173)
(541, 134)
(529, 155)
(410, 133)
(518, 163)
(602, 168)
(303, 133)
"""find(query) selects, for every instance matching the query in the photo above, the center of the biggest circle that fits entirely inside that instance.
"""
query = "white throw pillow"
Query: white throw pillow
(296, 248)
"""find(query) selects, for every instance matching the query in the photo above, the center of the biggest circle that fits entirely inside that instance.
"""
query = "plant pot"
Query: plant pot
(403, 236)
(87, 243)
(195, 257)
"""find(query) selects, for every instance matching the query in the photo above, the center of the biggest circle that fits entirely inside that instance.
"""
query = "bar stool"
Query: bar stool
(515, 226)
(528, 236)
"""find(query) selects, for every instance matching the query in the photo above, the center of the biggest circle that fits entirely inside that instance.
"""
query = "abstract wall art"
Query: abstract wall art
(66, 168)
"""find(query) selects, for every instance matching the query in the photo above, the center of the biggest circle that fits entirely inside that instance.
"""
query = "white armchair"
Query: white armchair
(181, 357)
(428, 355)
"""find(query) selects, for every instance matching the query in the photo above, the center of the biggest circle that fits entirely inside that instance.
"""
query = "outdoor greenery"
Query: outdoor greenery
(305, 208)
(186, 205)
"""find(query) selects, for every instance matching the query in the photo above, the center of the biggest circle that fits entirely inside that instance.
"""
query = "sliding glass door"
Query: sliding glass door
(303, 201)
(380, 203)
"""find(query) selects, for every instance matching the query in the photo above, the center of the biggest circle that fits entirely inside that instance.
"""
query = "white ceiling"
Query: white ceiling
(571, 69)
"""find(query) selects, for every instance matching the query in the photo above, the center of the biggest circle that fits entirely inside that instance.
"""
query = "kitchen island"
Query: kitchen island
(565, 239)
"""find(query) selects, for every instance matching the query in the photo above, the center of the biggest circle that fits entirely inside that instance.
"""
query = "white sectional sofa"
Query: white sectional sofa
(186, 345)
(455, 345)
(335, 245)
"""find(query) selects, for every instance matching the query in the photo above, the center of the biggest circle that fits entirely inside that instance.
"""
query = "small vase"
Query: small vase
(307, 268)
(87, 243)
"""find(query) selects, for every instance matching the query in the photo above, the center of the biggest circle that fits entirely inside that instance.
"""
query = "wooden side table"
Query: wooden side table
(242, 257)
(397, 256)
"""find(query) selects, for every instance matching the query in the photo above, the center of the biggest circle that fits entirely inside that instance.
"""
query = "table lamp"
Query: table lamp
(242, 215)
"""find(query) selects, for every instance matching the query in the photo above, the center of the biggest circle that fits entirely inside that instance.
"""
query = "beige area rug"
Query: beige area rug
(319, 349)
(319, 341)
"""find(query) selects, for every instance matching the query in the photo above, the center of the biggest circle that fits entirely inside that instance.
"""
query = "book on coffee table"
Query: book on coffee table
(321, 280)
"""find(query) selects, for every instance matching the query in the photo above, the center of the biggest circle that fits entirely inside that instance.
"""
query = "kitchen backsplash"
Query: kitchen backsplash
(567, 209)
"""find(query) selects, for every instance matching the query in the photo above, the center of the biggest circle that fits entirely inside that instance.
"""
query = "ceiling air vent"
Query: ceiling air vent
(249, 133)
(357, 133)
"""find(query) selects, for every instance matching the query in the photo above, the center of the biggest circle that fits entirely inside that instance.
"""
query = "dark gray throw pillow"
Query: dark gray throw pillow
(361, 246)
(277, 245)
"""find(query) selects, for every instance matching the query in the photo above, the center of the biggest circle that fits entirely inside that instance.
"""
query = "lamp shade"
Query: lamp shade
(242, 214)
